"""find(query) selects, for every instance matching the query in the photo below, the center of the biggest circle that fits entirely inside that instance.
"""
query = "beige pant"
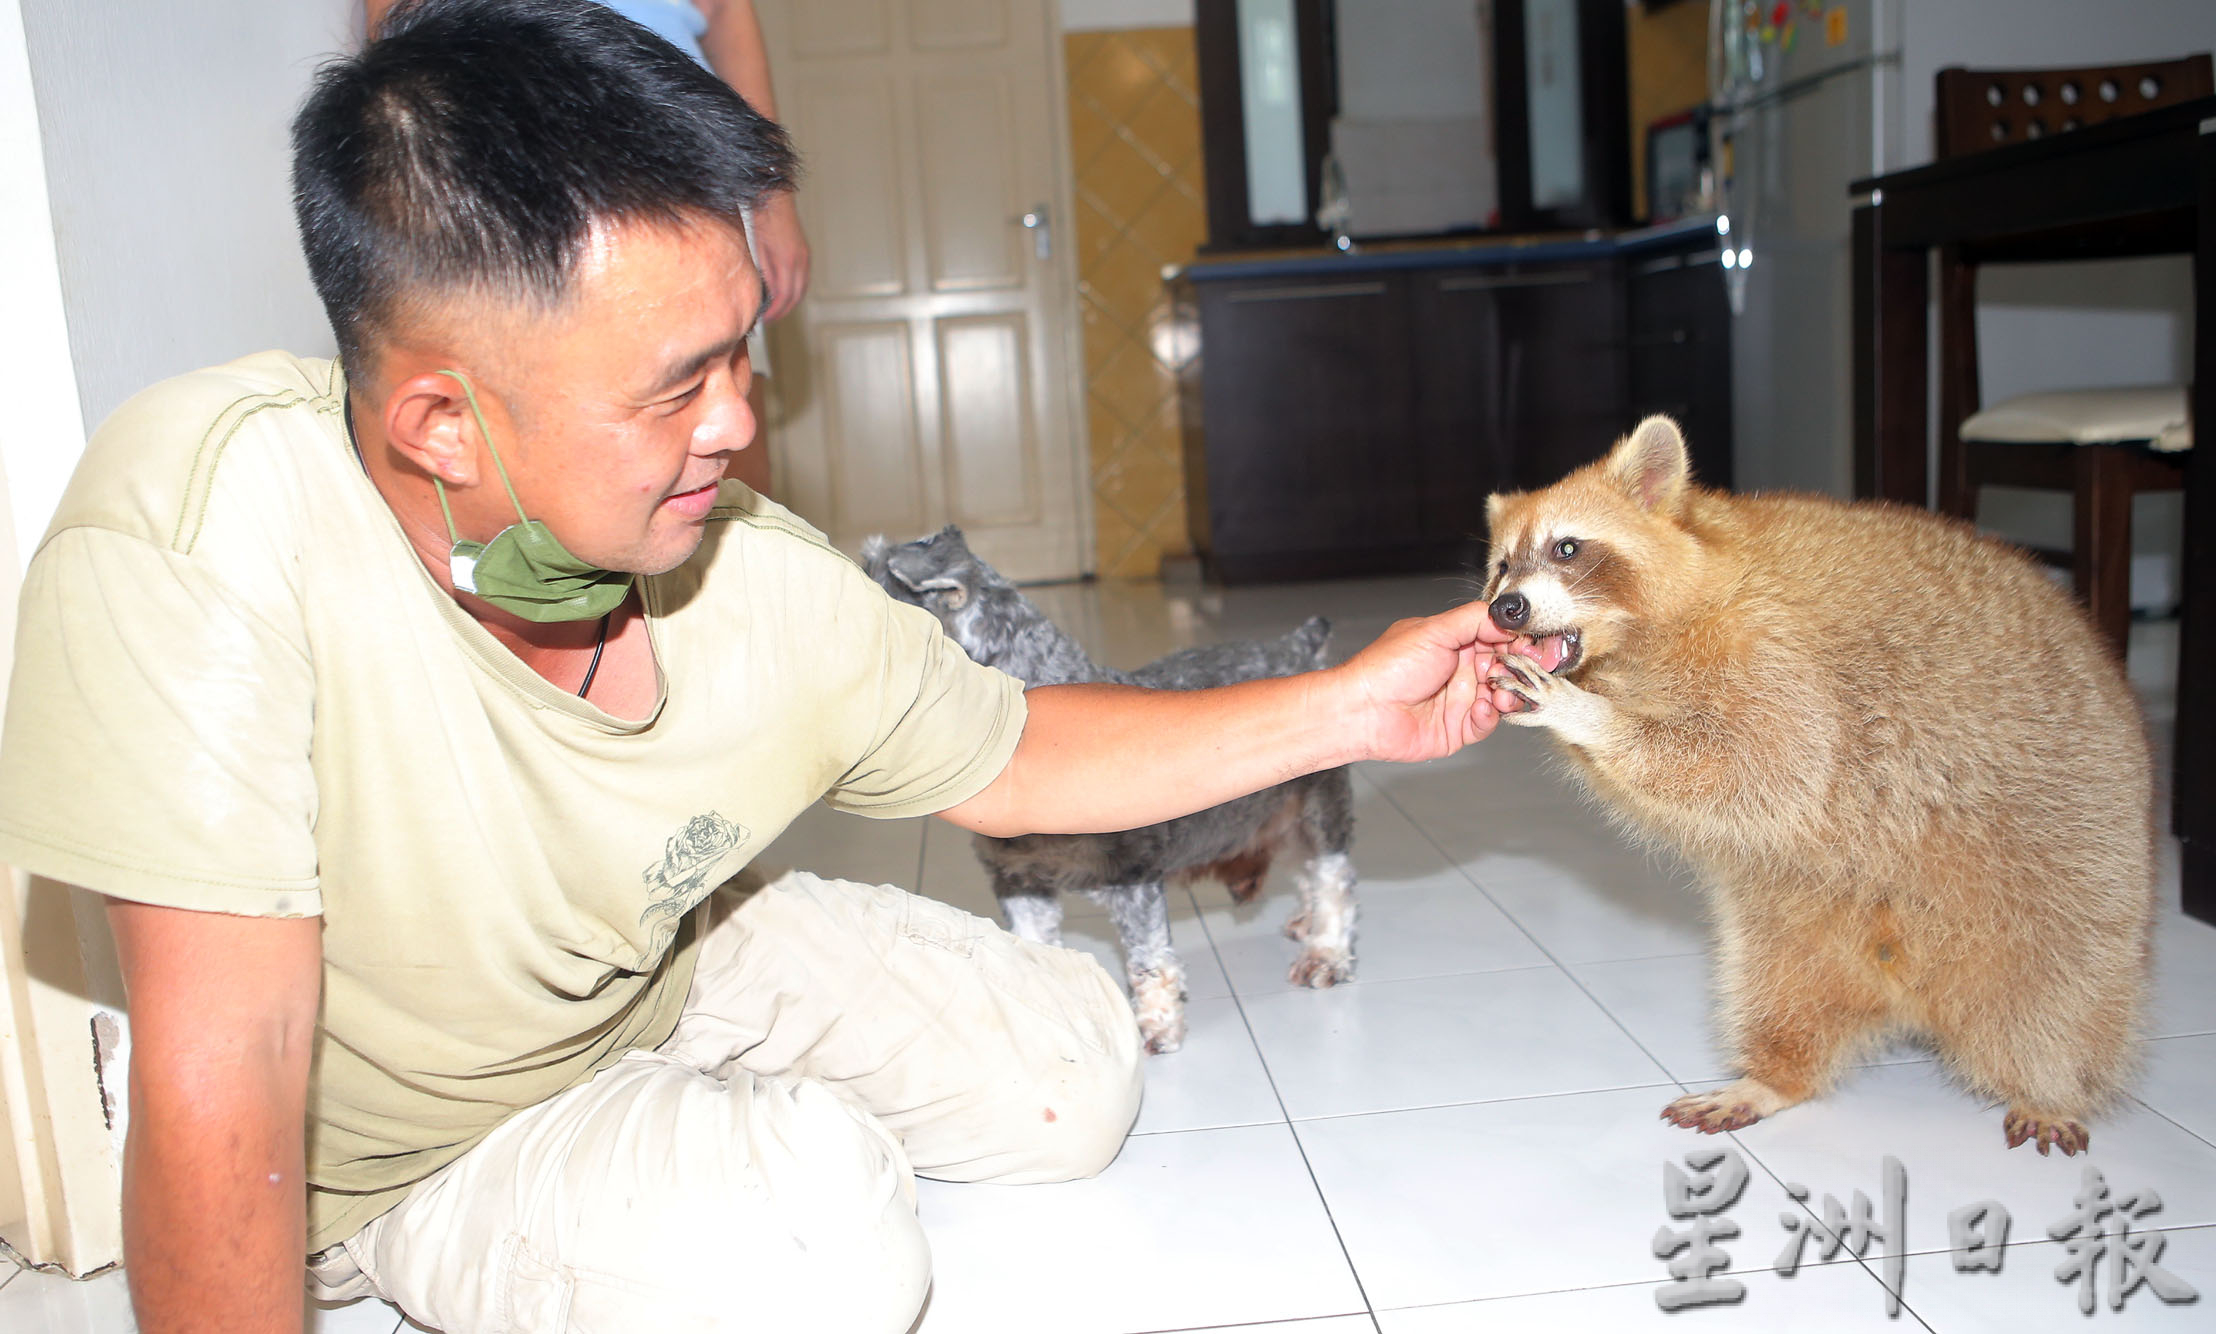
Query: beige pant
(754, 1172)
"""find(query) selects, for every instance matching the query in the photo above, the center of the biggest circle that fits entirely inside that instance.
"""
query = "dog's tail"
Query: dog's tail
(1312, 638)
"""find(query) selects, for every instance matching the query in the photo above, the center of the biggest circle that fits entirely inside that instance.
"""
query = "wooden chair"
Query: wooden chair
(2102, 446)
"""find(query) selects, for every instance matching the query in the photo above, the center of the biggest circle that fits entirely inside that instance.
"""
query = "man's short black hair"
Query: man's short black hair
(474, 144)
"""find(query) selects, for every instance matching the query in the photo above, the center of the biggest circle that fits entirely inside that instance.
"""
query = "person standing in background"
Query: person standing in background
(726, 36)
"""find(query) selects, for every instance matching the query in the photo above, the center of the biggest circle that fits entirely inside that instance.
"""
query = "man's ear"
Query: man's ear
(1650, 465)
(428, 423)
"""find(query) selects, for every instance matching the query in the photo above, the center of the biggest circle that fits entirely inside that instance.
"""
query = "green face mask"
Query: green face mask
(525, 569)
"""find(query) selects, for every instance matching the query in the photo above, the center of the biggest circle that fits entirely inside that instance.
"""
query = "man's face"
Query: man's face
(616, 413)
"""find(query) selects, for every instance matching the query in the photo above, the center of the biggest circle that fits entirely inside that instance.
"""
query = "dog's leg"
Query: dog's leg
(1032, 913)
(1142, 918)
(1325, 922)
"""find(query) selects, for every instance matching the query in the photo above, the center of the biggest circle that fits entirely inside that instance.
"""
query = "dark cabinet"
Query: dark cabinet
(1312, 468)
(1519, 380)
(1560, 351)
(1679, 351)
(1345, 420)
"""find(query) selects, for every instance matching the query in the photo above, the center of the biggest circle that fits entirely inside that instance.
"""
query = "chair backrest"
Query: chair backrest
(1976, 109)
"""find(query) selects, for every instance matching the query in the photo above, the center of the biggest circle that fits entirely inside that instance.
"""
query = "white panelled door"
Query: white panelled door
(927, 377)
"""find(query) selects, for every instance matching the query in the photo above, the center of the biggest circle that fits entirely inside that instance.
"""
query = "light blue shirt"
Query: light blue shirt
(675, 21)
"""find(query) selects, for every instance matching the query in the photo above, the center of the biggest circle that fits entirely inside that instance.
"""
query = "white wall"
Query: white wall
(43, 430)
(2073, 325)
(1093, 15)
(147, 228)
(164, 129)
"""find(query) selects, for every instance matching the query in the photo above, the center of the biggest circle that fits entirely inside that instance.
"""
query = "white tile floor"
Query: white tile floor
(1465, 1136)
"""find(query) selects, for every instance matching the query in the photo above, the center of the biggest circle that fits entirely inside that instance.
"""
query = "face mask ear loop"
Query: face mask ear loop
(479, 413)
(452, 537)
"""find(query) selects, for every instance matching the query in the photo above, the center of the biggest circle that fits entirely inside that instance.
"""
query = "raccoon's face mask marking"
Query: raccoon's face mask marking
(1556, 588)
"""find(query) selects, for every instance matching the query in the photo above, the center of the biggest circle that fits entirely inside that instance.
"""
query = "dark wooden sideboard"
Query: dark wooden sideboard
(1348, 414)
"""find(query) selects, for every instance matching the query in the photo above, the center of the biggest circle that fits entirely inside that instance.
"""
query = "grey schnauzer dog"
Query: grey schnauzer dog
(1127, 872)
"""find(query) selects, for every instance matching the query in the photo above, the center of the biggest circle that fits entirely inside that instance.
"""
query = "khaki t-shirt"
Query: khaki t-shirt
(237, 689)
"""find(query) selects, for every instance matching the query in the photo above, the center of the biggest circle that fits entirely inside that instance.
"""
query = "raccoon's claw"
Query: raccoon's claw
(1517, 676)
(2048, 1133)
(1708, 1115)
(1735, 1106)
(1574, 714)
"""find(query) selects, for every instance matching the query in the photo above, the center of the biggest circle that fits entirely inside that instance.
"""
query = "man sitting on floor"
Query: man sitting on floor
(410, 710)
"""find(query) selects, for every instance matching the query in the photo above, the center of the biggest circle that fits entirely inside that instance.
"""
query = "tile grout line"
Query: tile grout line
(2171, 1119)
(1536, 943)
(1480, 1102)
(1235, 1326)
(1239, 1003)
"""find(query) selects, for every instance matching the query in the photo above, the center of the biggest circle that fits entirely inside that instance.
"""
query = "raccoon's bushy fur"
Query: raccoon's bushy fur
(1914, 774)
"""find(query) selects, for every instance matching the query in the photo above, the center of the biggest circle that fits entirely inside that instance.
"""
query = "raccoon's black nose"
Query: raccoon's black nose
(1511, 611)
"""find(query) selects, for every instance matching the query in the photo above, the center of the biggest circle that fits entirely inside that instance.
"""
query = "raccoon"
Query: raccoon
(1913, 775)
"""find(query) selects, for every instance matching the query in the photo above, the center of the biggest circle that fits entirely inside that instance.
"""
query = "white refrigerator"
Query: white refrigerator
(1801, 91)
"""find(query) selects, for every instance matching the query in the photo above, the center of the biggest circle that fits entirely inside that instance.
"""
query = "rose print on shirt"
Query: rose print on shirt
(687, 872)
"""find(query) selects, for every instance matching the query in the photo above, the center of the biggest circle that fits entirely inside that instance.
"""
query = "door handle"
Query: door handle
(1041, 229)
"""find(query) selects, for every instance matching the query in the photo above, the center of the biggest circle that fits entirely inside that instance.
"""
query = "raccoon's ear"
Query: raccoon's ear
(1651, 466)
(1493, 507)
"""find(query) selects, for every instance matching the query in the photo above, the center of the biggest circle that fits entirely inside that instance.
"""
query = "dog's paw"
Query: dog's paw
(1550, 701)
(1158, 998)
(1297, 926)
(1321, 968)
(2048, 1132)
(1735, 1106)
(1163, 1034)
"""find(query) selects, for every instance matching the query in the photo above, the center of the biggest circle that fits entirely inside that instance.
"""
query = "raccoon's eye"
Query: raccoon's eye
(1565, 549)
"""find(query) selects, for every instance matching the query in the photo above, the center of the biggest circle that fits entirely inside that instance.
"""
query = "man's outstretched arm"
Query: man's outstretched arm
(214, 1186)
(1100, 757)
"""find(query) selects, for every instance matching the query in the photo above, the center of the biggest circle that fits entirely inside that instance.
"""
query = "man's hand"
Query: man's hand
(782, 252)
(1421, 689)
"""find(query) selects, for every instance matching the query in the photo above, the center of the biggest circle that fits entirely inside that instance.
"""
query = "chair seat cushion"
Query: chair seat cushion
(2152, 413)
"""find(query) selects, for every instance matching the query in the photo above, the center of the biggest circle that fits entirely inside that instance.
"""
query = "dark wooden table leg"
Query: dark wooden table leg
(2100, 554)
(1863, 279)
(1892, 296)
(2194, 777)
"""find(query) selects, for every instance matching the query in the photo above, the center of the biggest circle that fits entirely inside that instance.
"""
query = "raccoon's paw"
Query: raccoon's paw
(1574, 713)
(2048, 1132)
(1735, 1106)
